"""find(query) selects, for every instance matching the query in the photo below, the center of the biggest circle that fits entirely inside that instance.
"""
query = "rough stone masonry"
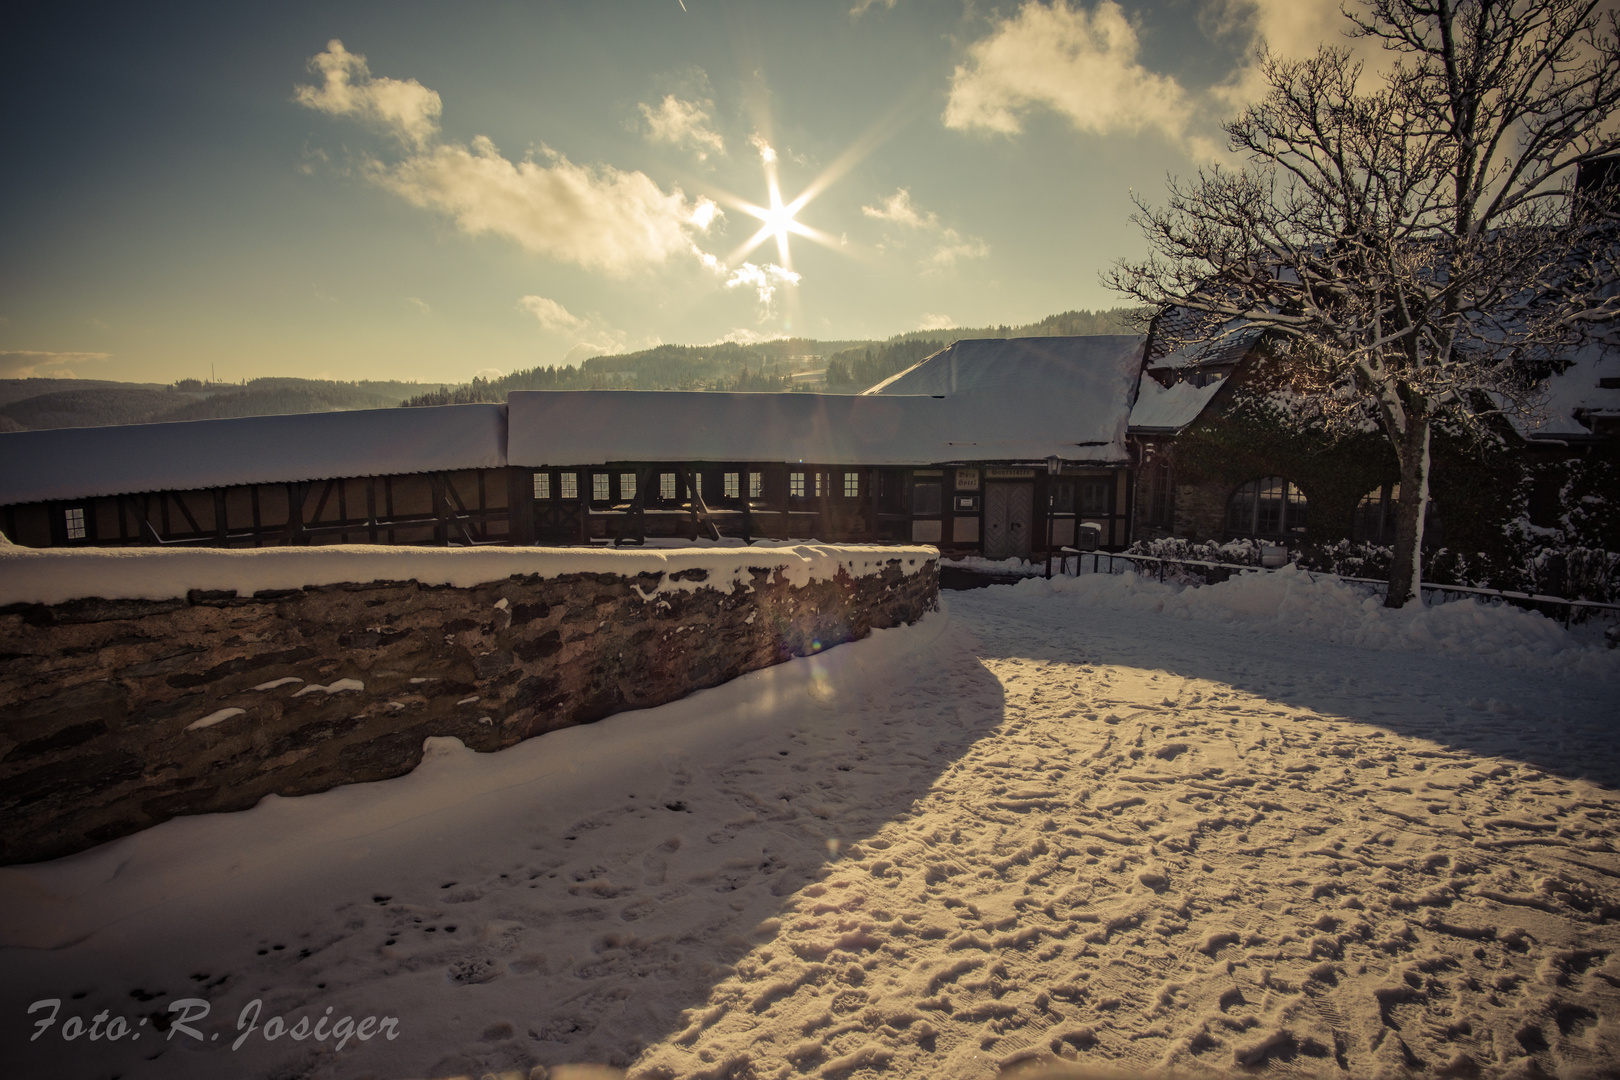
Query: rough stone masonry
(116, 715)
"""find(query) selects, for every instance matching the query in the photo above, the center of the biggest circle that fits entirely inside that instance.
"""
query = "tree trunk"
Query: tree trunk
(1406, 569)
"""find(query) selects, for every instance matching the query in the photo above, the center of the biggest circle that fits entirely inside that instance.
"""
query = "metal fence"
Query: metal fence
(1102, 562)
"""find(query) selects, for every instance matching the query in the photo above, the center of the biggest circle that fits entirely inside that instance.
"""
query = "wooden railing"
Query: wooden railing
(1098, 559)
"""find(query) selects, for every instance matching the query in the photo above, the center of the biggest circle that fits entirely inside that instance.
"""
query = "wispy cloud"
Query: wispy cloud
(1081, 65)
(765, 280)
(596, 217)
(936, 322)
(950, 246)
(551, 315)
(40, 364)
(899, 209)
(684, 124)
(767, 152)
(416, 303)
(403, 107)
(863, 6)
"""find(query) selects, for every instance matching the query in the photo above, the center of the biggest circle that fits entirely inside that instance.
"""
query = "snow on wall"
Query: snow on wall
(77, 463)
(1161, 409)
(57, 575)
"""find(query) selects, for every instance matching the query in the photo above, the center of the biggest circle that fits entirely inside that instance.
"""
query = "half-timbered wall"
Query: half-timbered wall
(464, 507)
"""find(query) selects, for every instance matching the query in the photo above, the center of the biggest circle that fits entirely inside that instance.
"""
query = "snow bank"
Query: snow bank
(52, 576)
(1327, 609)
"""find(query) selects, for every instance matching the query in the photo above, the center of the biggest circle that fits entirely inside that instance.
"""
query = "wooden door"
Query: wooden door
(1009, 514)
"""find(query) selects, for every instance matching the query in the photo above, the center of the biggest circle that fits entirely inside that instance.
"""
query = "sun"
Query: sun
(778, 220)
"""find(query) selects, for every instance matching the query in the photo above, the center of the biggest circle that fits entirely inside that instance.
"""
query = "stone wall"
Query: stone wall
(119, 714)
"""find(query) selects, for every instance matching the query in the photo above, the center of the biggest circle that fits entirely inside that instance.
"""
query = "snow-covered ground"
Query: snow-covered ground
(1257, 827)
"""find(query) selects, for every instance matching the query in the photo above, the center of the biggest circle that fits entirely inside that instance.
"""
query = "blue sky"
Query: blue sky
(492, 186)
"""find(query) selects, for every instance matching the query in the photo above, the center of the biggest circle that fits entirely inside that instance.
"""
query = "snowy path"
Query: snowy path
(1030, 827)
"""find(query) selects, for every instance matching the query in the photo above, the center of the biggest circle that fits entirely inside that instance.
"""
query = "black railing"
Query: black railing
(1532, 601)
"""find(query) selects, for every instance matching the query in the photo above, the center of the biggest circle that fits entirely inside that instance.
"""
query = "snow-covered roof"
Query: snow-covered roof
(1227, 346)
(77, 463)
(1577, 391)
(577, 427)
(1167, 411)
(1031, 398)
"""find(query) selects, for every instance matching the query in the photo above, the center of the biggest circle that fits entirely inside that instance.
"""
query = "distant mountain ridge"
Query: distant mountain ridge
(766, 366)
(849, 366)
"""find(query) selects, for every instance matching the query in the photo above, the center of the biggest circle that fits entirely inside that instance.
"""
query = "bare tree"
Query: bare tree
(1407, 238)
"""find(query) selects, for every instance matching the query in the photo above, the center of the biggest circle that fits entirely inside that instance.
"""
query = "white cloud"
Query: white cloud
(600, 218)
(404, 108)
(418, 304)
(489, 373)
(863, 6)
(952, 247)
(587, 349)
(936, 322)
(899, 209)
(552, 315)
(953, 251)
(684, 124)
(765, 280)
(767, 152)
(1082, 66)
(1289, 28)
(40, 364)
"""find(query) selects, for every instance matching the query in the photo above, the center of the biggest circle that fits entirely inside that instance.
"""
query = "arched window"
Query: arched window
(1374, 521)
(1270, 506)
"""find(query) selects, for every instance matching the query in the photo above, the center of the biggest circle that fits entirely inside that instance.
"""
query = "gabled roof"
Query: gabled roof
(1024, 399)
(1032, 398)
(1577, 394)
(1161, 411)
(78, 463)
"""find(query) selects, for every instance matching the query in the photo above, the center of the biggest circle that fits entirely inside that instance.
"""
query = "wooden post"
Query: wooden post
(221, 533)
(699, 507)
(441, 510)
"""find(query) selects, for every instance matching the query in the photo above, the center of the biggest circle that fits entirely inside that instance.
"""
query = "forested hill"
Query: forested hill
(838, 366)
(34, 404)
(850, 366)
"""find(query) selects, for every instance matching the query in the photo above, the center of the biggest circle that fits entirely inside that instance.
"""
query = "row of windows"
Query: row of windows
(800, 485)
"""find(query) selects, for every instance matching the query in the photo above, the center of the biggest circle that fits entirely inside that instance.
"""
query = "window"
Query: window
(697, 484)
(1374, 520)
(1157, 493)
(852, 485)
(732, 485)
(74, 518)
(1270, 506)
(821, 483)
(1094, 496)
(666, 486)
(756, 485)
(925, 497)
(796, 485)
(542, 485)
(627, 486)
(599, 487)
(568, 485)
(1062, 497)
